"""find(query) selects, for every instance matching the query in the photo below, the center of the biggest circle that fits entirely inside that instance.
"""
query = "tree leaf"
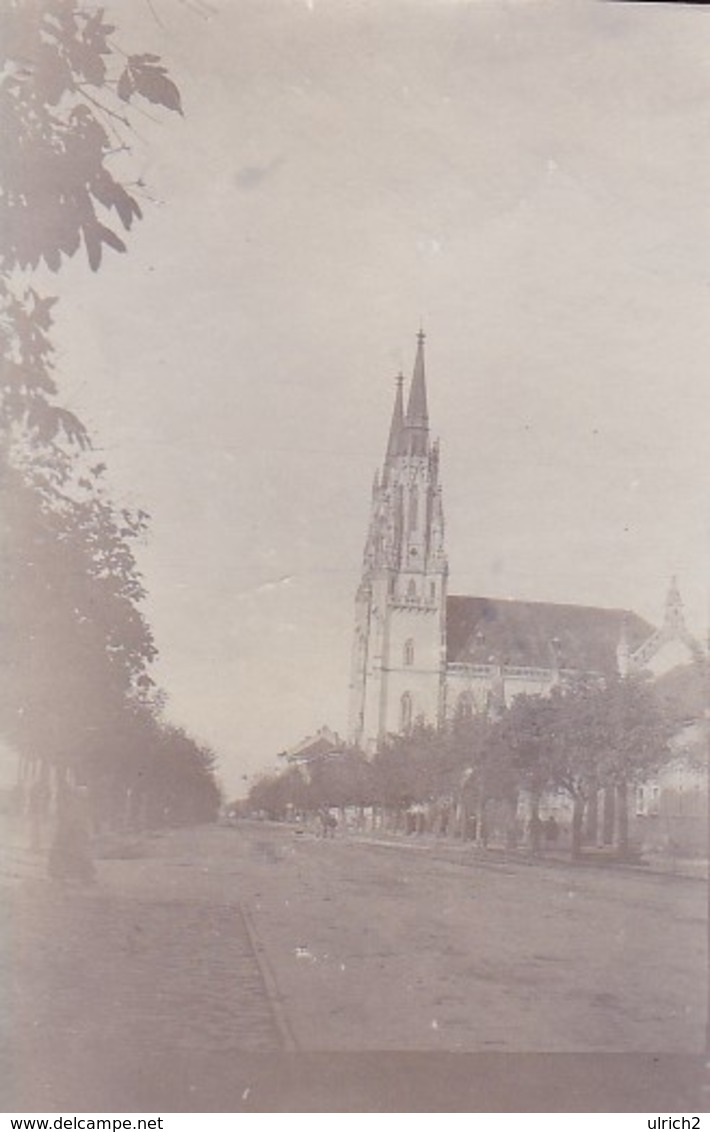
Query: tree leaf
(153, 84)
(125, 86)
(110, 238)
(93, 247)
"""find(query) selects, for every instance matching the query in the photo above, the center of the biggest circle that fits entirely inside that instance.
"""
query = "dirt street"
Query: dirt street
(400, 948)
(219, 946)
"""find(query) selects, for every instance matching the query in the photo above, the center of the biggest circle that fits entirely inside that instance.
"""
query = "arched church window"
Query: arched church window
(411, 590)
(409, 652)
(413, 508)
(405, 713)
(432, 590)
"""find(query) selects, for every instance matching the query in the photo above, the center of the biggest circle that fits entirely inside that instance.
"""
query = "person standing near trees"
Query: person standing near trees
(70, 855)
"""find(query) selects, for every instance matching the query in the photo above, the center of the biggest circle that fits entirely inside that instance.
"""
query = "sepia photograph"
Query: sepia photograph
(354, 527)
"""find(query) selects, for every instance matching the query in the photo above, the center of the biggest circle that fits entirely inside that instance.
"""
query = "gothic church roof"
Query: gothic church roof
(535, 634)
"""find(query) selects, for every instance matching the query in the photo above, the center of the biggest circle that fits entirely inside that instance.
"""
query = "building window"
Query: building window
(411, 590)
(432, 590)
(409, 652)
(405, 713)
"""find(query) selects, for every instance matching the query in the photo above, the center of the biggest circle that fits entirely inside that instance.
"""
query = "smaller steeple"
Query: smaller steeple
(417, 419)
(394, 444)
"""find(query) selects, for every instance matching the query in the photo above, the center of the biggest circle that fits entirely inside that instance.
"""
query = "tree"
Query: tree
(483, 764)
(525, 734)
(78, 649)
(343, 779)
(77, 693)
(66, 89)
(605, 734)
(638, 745)
(274, 794)
(408, 768)
(174, 779)
(64, 106)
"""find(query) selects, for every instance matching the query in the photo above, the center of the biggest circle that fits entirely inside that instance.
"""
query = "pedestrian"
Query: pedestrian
(70, 854)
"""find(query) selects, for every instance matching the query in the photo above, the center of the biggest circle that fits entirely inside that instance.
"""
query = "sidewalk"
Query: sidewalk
(126, 993)
(693, 868)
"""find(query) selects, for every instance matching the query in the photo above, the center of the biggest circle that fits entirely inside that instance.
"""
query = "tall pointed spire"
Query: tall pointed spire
(394, 444)
(417, 420)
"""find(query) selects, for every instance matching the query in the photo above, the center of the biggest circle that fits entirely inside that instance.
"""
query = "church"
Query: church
(421, 653)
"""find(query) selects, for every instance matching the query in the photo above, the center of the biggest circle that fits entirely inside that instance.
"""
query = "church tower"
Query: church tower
(399, 650)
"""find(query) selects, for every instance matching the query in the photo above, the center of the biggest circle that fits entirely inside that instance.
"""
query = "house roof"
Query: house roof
(482, 630)
(324, 742)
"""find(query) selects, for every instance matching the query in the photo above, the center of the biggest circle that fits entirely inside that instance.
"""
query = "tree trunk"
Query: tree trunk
(463, 820)
(535, 825)
(591, 825)
(577, 819)
(511, 827)
(609, 821)
(467, 814)
(623, 819)
(481, 831)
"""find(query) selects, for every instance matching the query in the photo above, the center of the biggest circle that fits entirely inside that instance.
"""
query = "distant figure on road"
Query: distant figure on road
(328, 823)
(70, 855)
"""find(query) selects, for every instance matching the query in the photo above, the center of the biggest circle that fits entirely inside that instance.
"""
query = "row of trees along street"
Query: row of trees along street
(588, 740)
(77, 698)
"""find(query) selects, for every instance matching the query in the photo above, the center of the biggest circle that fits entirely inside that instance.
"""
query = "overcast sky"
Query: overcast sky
(532, 182)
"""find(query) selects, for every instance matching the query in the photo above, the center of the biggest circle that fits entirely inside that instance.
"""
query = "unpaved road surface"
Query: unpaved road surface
(187, 968)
